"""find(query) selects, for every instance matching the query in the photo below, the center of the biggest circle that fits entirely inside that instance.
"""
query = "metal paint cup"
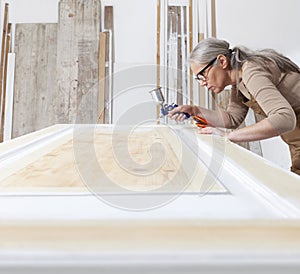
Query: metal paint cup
(157, 95)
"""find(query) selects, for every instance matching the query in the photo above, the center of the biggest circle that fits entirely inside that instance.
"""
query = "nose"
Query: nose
(203, 82)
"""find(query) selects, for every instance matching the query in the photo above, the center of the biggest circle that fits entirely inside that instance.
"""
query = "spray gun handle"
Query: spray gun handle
(166, 108)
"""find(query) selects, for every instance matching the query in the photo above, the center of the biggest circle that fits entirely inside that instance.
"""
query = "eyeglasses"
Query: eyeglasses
(200, 75)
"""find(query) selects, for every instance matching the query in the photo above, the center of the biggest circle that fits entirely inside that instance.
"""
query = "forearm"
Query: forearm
(259, 131)
(216, 118)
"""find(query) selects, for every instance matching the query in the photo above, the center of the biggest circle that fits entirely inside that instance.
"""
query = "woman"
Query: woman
(263, 80)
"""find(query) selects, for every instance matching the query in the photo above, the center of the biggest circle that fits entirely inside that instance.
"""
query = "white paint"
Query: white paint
(255, 23)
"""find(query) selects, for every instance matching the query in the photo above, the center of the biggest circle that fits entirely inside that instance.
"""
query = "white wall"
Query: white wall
(135, 46)
(31, 11)
(261, 24)
(253, 23)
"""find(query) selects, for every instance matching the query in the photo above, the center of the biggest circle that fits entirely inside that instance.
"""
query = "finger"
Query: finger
(173, 116)
(175, 110)
(181, 117)
(177, 116)
(206, 130)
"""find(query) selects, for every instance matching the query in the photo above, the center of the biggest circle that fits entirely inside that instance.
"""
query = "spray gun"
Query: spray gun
(165, 108)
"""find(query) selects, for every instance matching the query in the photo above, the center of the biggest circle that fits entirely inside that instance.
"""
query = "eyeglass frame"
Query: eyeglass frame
(204, 69)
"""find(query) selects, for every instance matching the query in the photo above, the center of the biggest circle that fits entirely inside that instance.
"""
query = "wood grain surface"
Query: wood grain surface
(154, 159)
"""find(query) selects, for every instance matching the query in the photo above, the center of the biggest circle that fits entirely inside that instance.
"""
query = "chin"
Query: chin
(217, 90)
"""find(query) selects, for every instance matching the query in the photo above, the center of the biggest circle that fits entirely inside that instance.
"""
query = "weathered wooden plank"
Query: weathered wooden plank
(109, 25)
(180, 53)
(158, 19)
(158, 70)
(3, 103)
(10, 94)
(110, 57)
(35, 77)
(102, 55)
(213, 19)
(172, 54)
(2, 62)
(77, 61)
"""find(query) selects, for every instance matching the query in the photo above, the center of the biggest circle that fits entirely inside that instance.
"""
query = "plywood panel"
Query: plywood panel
(77, 61)
(35, 77)
(124, 161)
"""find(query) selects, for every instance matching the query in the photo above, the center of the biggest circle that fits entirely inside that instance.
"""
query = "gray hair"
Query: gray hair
(210, 48)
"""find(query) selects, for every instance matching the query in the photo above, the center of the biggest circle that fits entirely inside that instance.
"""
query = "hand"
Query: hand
(178, 112)
(214, 131)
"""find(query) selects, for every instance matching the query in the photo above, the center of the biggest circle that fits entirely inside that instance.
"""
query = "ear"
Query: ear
(223, 61)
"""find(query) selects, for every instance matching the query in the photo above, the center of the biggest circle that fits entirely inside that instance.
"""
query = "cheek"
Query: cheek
(219, 78)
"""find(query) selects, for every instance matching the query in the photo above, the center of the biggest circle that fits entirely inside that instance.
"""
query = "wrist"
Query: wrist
(228, 136)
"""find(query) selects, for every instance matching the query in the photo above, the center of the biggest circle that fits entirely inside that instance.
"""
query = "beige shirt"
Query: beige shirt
(278, 95)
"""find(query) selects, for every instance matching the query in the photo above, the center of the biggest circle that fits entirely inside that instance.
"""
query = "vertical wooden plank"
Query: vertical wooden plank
(110, 58)
(77, 61)
(102, 57)
(191, 47)
(109, 20)
(180, 52)
(202, 91)
(35, 77)
(67, 63)
(10, 95)
(200, 36)
(88, 66)
(158, 22)
(2, 60)
(7, 49)
(213, 19)
(213, 97)
(172, 54)
(158, 43)
(186, 52)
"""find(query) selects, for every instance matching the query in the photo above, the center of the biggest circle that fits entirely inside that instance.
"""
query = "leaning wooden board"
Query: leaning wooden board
(35, 74)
